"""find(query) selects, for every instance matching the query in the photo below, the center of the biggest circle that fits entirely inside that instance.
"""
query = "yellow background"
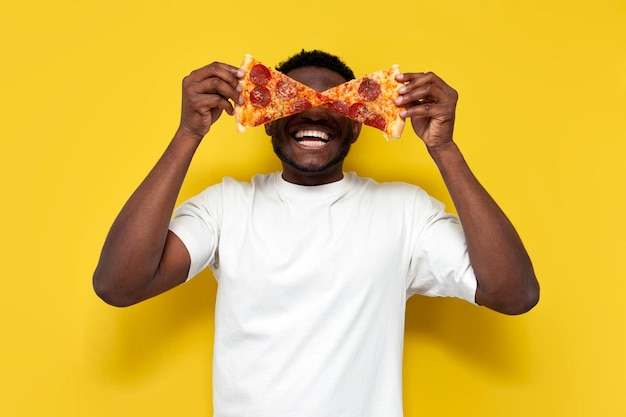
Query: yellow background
(90, 96)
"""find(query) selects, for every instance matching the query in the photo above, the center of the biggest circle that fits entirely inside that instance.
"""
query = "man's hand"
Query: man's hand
(431, 105)
(505, 276)
(206, 93)
(141, 257)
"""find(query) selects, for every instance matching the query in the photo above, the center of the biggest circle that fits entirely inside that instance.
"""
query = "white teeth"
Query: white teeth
(312, 134)
(312, 143)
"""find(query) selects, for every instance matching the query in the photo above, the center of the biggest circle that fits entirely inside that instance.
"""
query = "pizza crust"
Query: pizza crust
(239, 109)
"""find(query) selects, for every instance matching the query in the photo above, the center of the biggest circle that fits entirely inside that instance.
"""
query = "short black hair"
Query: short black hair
(316, 58)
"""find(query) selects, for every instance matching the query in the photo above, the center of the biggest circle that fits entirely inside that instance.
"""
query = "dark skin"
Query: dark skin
(314, 165)
(141, 258)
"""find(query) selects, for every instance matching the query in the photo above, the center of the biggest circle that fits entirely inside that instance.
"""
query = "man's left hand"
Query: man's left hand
(430, 103)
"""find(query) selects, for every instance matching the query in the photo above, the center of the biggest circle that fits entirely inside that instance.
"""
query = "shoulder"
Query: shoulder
(385, 187)
(214, 193)
(396, 193)
(230, 184)
(238, 191)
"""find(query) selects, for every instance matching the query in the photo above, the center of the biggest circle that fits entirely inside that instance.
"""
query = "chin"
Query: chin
(313, 165)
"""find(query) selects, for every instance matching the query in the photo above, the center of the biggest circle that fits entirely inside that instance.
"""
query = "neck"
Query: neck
(311, 178)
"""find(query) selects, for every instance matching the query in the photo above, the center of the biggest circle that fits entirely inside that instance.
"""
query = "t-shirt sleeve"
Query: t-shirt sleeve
(196, 222)
(440, 265)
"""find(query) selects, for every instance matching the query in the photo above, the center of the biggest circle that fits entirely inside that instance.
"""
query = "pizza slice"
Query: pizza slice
(270, 95)
(370, 100)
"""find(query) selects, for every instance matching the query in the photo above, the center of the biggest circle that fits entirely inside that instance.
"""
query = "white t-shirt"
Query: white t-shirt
(312, 289)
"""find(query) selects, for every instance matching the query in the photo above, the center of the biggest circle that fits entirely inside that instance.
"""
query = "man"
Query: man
(314, 265)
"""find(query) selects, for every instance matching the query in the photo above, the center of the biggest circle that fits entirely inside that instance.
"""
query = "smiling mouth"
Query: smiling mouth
(311, 138)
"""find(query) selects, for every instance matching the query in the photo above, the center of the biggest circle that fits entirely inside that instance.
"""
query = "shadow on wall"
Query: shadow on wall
(139, 341)
(490, 343)
(143, 337)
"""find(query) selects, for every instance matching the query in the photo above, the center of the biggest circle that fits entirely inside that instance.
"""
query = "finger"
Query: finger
(213, 85)
(419, 78)
(428, 93)
(428, 85)
(207, 102)
(217, 70)
(408, 76)
(218, 102)
(217, 86)
(226, 106)
(425, 109)
(427, 89)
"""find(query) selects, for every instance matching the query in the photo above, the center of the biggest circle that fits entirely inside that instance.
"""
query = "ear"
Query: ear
(356, 131)
(268, 128)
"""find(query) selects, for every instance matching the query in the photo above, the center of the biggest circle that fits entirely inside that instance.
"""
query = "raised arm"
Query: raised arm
(506, 279)
(141, 257)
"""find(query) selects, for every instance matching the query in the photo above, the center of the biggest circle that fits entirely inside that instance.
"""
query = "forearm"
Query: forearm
(134, 247)
(506, 280)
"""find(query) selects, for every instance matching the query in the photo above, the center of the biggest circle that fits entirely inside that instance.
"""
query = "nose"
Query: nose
(315, 114)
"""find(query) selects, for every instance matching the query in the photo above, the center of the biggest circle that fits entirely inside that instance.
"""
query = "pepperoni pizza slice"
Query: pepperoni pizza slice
(370, 100)
(270, 95)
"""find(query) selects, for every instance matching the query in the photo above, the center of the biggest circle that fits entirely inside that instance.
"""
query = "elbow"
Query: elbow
(511, 301)
(110, 297)
(525, 302)
(108, 292)
(533, 296)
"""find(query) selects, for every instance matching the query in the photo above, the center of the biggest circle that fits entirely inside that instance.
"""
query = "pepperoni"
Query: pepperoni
(300, 105)
(286, 88)
(262, 120)
(340, 107)
(376, 120)
(358, 112)
(260, 74)
(322, 98)
(260, 96)
(369, 89)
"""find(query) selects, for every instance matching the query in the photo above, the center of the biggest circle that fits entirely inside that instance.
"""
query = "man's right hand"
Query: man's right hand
(206, 93)
(141, 257)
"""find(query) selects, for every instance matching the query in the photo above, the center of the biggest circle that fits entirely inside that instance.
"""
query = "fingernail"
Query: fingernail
(402, 90)
(398, 100)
